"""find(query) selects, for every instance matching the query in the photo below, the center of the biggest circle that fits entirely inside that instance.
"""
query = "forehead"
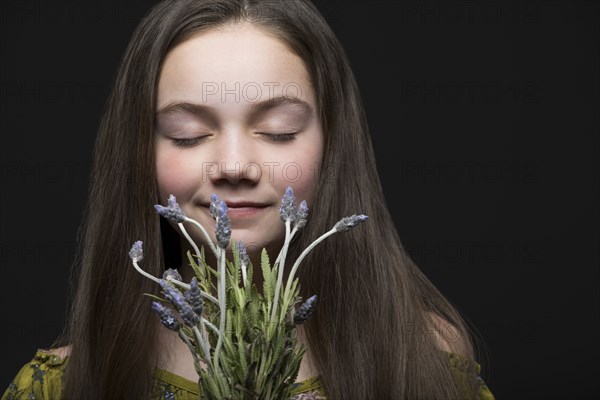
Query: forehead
(237, 64)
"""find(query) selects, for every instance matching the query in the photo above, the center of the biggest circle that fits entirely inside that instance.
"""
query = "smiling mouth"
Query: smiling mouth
(237, 212)
(244, 212)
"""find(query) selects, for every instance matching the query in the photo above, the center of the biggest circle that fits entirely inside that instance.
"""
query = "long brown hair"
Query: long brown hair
(371, 334)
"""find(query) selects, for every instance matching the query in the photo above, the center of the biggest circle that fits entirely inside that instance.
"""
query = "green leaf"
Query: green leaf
(294, 366)
(268, 280)
(212, 386)
(242, 356)
(236, 263)
(199, 273)
(156, 297)
(277, 350)
(227, 368)
(249, 272)
(253, 307)
(238, 325)
(228, 332)
(238, 295)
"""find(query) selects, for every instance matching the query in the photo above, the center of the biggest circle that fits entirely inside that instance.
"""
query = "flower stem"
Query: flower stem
(187, 287)
(191, 347)
(141, 271)
(211, 326)
(222, 303)
(276, 263)
(203, 344)
(244, 274)
(209, 240)
(190, 241)
(280, 273)
(290, 280)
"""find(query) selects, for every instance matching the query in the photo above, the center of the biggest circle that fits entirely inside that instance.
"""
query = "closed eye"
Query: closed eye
(187, 142)
(273, 137)
(280, 137)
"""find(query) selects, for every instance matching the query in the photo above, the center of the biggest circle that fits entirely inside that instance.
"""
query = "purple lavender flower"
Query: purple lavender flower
(167, 318)
(172, 212)
(214, 201)
(178, 300)
(301, 215)
(347, 223)
(305, 311)
(172, 272)
(244, 259)
(218, 210)
(171, 293)
(136, 252)
(190, 318)
(287, 211)
(194, 298)
(223, 229)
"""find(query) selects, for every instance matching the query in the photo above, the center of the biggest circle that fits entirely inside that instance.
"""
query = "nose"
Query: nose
(235, 158)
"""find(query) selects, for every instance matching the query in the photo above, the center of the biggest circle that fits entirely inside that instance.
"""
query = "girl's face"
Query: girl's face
(241, 91)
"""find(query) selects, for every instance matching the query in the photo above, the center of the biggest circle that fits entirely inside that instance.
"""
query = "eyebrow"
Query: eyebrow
(210, 112)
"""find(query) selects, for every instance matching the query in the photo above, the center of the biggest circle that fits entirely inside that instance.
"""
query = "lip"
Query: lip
(244, 204)
(238, 212)
(241, 204)
(242, 209)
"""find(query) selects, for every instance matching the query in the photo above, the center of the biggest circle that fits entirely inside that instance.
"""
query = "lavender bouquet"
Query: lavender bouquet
(243, 342)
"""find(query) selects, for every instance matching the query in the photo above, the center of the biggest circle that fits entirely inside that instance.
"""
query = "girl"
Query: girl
(244, 98)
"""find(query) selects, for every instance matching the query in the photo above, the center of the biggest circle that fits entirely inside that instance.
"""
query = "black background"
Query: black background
(485, 120)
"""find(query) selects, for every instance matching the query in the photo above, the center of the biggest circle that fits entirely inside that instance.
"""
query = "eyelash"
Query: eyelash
(277, 138)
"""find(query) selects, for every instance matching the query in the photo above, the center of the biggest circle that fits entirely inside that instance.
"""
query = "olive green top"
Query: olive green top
(41, 378)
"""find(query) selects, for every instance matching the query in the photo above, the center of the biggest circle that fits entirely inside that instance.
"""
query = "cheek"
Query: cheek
(300, 172)
(173, 177)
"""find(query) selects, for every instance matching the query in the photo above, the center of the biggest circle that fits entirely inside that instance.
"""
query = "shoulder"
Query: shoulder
(41, 377)
(62, 352)
(447, 336)
(464, 369)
